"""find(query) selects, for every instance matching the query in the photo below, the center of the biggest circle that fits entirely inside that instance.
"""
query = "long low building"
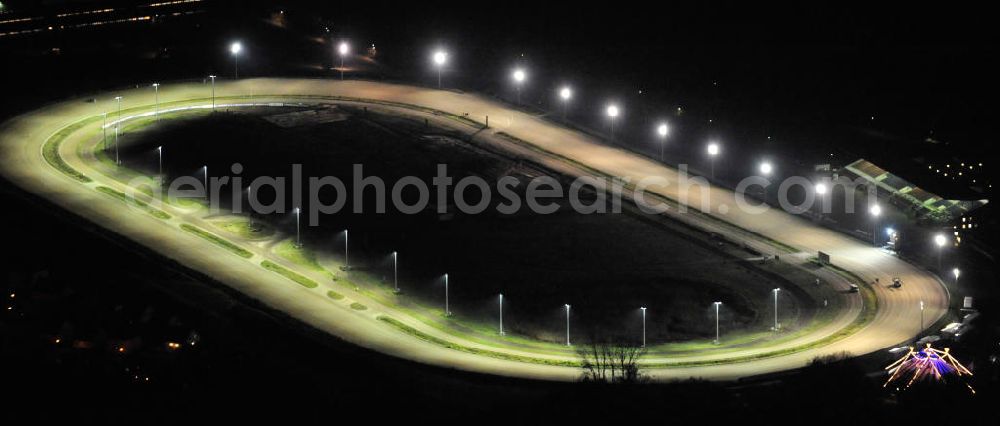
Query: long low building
(923, 204)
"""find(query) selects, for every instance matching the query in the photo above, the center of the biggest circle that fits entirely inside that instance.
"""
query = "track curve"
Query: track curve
(22, 162)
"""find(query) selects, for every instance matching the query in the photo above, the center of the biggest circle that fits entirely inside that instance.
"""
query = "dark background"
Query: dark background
(809, 76)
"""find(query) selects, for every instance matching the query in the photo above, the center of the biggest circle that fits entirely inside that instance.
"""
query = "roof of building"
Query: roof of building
(926, 204)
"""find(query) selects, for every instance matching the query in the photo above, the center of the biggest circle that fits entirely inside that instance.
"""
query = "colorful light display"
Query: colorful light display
(923, 364)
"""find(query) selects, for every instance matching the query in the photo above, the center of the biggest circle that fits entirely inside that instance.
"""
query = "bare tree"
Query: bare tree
(607, 361)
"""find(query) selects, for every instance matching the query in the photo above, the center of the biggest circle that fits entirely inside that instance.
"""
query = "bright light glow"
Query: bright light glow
(890, 231)
(235, 48)
(343, 48)
(821, 188)
(713, 149)
(440, 57)
(565, 93)
(940, 240)
(927, 363)
(519, 75)
(662, 129)
(956, 272)
(875, 210)
(612, 111)
(766, 168)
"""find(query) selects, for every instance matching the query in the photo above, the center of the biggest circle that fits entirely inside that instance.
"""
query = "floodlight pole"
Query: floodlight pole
(717, 304)
(117, 131)
(159, 152)
(567, 325)
(921, 315)
(447, 311)
(213, 91)
(156, 97)
(501, 314)
(298, 227)
(395, 271)
(776, 308)
(643, 326)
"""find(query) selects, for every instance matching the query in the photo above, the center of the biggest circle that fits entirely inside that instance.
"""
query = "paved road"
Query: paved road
(21, 162)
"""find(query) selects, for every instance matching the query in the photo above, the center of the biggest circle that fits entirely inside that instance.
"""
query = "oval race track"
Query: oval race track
(22, 162)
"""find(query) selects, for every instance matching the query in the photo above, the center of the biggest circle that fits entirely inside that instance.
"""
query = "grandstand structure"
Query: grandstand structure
(921, 204)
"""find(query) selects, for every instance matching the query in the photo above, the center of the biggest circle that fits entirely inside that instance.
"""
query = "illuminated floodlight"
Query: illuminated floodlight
(940, 240)
(440, 57)
(235, 49)
(519, 75)
(821, 188)
(565, 93)
(766, 168)
(876, 210)
(713, 149)
(612, 110)
(343, 49)
(662, 130)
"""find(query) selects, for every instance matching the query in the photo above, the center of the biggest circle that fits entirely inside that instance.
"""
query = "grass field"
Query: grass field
(245, 228)
(134, 202)
(288, 273)
(217, 240)
(604, 265)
